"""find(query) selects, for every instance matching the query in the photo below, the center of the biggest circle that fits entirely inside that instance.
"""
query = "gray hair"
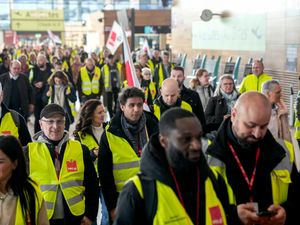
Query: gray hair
(221, 79)
(269, 85)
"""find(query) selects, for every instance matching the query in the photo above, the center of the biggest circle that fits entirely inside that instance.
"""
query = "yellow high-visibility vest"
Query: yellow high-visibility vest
(70, 179)
(170, 210)
(184, 105)
(88, 86)
(8, 126)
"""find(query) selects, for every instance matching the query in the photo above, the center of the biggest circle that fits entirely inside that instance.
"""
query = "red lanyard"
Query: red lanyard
(250, 183)
(180, 196)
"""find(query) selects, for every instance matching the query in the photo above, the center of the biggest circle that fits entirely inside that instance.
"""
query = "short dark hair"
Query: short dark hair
(168, 119)
(131, 92)
(180, 68)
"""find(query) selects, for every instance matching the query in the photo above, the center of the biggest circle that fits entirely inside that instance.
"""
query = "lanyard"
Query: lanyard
(180, 196)
(250, 183)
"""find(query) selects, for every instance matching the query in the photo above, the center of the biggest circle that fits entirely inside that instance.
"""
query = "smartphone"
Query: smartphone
(267, 213)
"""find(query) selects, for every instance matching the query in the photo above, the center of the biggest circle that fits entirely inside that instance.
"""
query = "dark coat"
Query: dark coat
(24, 89)
(271, 155)
(193, 99)
(215, 111)
(105, 160)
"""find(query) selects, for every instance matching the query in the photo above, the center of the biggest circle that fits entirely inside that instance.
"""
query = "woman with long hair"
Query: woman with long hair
(21, 201)
(202, 86)
(88, 131)
(60, 91)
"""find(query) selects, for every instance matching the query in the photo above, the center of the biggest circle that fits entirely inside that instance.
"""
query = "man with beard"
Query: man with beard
(122, 144)
(169, 98)
(175, 185)
(259, 170)
(189, 95)
(39, 76)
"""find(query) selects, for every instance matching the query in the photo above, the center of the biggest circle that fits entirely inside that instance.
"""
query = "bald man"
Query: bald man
(254, 81)
(259, 170)
(169, 98)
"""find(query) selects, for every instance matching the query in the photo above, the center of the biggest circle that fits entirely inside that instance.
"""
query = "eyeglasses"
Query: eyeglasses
(227, 84)
(52, 122)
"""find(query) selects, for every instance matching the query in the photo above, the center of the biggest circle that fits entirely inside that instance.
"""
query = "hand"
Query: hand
(226, 116)
(247, 214)
(278, 219)
(85, 221)
(30, 108)
(95, 151)
(113, 214)
(39, 84)
(49, 93)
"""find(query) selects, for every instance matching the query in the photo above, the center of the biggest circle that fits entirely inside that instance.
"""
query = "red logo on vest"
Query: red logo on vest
(216, 216)
(71, 166)
(6, 132)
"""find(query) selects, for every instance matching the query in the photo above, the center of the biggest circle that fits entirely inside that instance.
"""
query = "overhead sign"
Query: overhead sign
(37, 15)
(43, 25)
(243, 33)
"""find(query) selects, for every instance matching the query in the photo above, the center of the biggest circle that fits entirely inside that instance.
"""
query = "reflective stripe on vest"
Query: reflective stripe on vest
(8, 126)
(126, 163)
(70, 179)
(87, 85)
(170, 211)
(91, 143)
(184, 105)
(20, 218)
(280, 177)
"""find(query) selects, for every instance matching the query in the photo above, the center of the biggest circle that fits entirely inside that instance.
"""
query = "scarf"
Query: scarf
(205, 93)
(59, 95)
(230, 99)
(136, 133)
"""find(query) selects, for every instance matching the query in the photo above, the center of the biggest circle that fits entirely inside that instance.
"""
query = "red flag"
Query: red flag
(115, 38)
(129, 68)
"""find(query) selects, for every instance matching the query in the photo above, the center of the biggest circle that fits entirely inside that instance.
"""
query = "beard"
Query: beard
(248, 145)
(179, 161)
(244, 142)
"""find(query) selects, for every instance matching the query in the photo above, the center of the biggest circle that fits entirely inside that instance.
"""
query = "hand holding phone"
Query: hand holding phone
(267, 213)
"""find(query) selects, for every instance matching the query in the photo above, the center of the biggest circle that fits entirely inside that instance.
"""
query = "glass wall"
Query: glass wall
(74, 10)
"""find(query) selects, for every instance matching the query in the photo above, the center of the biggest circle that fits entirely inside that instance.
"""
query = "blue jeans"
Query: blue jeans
(102, 217)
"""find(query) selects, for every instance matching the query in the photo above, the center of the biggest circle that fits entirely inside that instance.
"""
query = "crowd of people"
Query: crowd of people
(167, 152)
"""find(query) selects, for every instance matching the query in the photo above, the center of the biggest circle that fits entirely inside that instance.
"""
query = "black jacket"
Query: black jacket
(131, 207)
(90, 182)
(271, 154)
(105, 161)
(193, 99)
(24, 135)
(24, 89)
(163, 106)
(215, 111)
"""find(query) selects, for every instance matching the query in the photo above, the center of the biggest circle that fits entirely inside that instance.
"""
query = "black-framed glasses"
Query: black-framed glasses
(52, 122)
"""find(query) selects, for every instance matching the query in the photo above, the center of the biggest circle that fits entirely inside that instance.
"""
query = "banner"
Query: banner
(115, 38)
